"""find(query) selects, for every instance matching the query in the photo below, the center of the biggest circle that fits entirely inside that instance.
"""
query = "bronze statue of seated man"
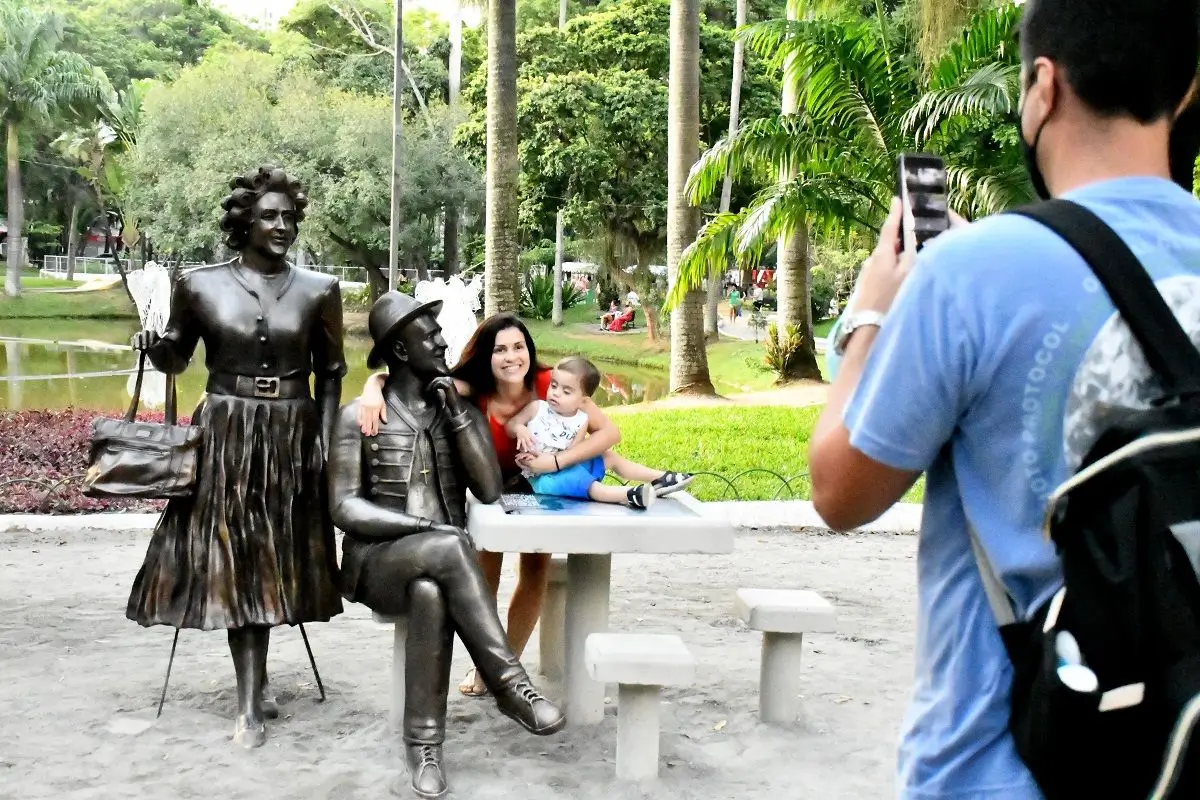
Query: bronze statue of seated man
(400, 498)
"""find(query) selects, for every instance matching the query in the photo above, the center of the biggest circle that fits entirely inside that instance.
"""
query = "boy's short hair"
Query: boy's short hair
(1135, 57)
(580, 367)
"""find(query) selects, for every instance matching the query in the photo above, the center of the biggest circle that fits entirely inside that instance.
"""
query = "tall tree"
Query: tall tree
(37, 80)
(560, 244)
(716, 279)
(863, 101)
(501, 236)
(689, 360)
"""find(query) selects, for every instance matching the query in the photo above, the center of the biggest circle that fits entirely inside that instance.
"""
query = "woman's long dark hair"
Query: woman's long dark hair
(474, 366)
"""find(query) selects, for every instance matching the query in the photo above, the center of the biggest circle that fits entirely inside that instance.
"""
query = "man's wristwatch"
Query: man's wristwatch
(852, 322)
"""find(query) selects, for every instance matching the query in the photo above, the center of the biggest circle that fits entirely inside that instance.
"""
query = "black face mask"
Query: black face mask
(1185, 145)
(1029, 152)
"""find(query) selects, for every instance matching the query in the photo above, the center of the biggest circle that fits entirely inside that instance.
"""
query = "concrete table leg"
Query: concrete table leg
(779, 682)
(587, 613)
(637, 732)
(551, 647)
(399, 640)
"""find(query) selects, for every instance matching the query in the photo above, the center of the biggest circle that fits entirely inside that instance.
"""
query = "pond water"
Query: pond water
(87, 364)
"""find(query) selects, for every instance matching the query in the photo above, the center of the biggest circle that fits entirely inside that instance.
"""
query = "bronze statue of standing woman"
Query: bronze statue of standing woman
(253, 548)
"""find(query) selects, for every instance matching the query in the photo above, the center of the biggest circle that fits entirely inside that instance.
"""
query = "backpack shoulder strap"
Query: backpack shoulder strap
(1168, 348)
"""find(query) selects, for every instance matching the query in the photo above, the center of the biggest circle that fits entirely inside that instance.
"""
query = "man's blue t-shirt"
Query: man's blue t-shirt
(993, 373)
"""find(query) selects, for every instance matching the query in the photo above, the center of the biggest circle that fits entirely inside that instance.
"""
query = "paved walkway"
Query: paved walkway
(791, 514)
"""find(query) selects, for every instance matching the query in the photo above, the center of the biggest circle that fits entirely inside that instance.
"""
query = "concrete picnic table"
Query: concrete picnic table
(589, 534)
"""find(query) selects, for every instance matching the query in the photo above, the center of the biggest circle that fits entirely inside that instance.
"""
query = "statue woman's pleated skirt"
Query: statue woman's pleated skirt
(255, 544)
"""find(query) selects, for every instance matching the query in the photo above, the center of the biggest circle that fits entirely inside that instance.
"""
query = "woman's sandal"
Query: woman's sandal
(471, 687)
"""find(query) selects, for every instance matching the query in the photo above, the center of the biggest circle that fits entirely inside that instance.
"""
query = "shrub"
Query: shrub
(38, 449)
(781, 356)
(357, 299)
(537, 294)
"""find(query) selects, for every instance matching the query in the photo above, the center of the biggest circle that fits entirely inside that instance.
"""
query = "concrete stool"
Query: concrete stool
(641, 665)
(552, 645)
(399, 639)
(784, 616)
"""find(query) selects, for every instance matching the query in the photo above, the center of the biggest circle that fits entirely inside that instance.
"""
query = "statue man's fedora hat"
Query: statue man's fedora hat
(391, 312)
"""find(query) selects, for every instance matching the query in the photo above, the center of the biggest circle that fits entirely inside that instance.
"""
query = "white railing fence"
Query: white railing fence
(56, 267)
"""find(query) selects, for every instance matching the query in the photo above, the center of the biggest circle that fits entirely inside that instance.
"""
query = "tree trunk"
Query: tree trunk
(501, 245)
(73, 235)
(689, 361)
(16, 213)
(450, 226)
(941, 20)
(560, 244)
(795, 307)
(793, 259)
(559, 252)
(715, 282)
(397, 139)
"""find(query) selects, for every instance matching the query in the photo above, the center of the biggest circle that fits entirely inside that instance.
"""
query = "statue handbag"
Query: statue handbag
(143, 460)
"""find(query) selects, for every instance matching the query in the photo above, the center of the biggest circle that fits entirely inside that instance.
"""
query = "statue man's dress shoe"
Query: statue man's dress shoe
(522, 702)
(425, 770)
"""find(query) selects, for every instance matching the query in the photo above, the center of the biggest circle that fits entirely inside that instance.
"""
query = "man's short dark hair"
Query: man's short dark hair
(580, 367)
(1135, 57)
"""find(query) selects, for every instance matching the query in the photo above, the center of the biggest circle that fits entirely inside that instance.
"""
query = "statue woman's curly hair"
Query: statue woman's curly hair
(247, 189)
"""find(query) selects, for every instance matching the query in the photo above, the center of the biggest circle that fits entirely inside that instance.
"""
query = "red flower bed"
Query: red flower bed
(43, 455)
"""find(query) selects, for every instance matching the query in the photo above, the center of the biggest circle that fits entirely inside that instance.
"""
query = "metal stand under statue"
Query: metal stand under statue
(400, 497)
(253, 547)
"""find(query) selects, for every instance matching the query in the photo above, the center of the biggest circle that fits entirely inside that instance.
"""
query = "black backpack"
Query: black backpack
(1127, 528)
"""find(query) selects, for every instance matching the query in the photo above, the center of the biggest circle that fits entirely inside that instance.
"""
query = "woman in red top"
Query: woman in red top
(500, 372)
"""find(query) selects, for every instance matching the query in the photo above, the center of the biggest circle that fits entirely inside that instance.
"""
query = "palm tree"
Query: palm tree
(501, 243)
(36, 81)
(715, 281)
(861, 103)
(689, 361)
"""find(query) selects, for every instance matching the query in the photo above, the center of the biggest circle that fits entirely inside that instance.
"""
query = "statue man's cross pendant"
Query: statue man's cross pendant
(425, 471)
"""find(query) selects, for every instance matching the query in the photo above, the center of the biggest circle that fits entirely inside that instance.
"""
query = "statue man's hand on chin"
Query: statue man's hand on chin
(443, 389)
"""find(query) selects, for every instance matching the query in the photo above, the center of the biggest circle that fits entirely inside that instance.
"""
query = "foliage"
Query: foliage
(537, 294)
(780, 353)
(349, 42)
(47, 447)
(132, 39)
(592, 115)
(864, 101)
(833, 276)
(238, 109)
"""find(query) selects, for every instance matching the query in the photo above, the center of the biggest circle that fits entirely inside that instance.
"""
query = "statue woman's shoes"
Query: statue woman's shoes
(270, 705)
(425, 771)
(249, 733)
(531, 710)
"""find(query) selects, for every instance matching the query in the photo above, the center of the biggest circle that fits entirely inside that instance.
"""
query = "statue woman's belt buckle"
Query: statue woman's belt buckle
(266, 387)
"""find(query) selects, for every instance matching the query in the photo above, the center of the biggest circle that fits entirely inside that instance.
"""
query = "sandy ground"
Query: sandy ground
(78, 686)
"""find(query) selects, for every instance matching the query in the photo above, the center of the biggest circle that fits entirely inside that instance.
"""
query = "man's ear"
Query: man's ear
(400, 351)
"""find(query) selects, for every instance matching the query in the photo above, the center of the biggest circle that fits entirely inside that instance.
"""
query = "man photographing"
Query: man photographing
(993, 360)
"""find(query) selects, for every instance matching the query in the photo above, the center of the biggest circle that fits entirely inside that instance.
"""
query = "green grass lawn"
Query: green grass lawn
(732, 363)
(107, 304)
(821, 329)
(733, 442)
(38, 282)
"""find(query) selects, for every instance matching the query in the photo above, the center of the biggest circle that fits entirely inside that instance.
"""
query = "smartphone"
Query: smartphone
(921, 186)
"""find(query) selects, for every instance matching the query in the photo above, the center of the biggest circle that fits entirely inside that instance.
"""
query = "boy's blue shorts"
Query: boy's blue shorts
(573, 481)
